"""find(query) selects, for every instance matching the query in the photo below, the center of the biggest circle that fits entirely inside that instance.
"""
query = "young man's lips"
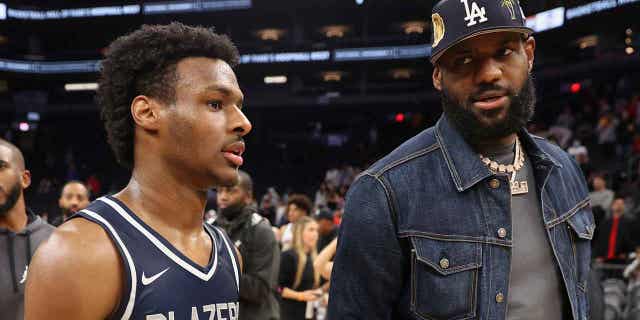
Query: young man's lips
(233, 158)
(491, 103)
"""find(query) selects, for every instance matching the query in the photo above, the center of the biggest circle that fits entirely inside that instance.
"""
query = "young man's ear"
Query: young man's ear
(437, 78)
(145, 112)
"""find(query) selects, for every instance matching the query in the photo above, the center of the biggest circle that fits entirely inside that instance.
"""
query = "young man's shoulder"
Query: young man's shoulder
(78, 262)
(81, 241)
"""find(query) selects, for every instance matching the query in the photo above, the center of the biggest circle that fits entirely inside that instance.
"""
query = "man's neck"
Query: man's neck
(16, 219)
(493, 145)
(161, 200)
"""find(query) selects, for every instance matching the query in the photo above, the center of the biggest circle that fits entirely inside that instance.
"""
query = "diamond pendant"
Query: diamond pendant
(519, 187)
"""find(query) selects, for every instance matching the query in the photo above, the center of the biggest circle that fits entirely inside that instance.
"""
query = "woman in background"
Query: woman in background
(298, 279)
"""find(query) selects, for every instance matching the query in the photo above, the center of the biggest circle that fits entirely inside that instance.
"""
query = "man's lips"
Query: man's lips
(490, 100)
(491, 103)
(233, 153)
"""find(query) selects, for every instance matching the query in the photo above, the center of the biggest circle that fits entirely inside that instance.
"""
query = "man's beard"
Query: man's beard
(232, 211)
(12, 198)
(463, 116)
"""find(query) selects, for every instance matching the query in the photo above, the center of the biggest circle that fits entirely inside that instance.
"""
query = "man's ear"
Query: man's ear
(529, 50)
(437, 78)
(145, 112)
(25, 179)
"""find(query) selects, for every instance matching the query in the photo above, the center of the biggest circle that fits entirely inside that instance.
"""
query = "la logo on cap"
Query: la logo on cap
(474, 13)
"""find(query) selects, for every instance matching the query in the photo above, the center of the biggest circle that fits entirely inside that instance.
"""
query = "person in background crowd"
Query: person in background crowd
(326, 228)
(74, 197)
(298, 279)
(601, 196)
(616, 237)
(252, 235)
(298, 206)
(21, 231)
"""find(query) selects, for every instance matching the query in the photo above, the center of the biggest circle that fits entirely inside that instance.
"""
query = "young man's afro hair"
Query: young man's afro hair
(144, 63)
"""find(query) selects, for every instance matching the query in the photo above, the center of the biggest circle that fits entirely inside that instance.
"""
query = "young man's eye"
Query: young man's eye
(215, 105)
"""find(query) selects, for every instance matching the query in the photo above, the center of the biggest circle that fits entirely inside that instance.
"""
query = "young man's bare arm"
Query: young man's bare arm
(76, 274)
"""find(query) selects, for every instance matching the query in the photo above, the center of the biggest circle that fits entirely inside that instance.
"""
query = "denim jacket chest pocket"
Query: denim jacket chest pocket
(581, 227)
(444, 278)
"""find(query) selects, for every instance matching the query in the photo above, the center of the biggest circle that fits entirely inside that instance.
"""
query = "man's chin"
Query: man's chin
(227, 177)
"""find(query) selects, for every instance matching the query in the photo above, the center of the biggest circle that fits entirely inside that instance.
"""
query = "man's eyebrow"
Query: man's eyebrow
(509, 41)
(225, 91)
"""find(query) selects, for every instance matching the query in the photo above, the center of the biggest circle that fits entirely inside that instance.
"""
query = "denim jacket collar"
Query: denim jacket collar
(464, 164)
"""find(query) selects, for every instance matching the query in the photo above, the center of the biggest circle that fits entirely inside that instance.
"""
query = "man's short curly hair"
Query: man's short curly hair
(144, 63)
(301, 201)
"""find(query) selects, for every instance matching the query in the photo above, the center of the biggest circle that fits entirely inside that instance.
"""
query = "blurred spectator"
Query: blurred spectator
(320, 200)
(269, 206)
(581, 154)
(600, 196)
(258, 247)
(324, 262)
(606, 129)
(566, 118)
(298, 206)
(74, 197)
(21, 231)
(615, 239)
(298, 279)
(326, 228)
(94, 185)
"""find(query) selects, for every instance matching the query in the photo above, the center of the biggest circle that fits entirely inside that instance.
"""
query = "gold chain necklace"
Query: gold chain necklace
(517, 187)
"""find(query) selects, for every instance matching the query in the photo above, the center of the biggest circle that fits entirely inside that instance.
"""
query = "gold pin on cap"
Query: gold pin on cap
(438, 28)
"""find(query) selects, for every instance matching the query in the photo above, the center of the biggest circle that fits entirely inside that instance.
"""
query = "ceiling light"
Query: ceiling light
(81, 86)
(275, 79)
(588, 41)
(270, 34)
(332, 76)
(402, 73)
(410, 27)
(335, 31)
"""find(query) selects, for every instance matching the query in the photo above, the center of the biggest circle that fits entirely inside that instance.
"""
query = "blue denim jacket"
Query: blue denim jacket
(419, 238)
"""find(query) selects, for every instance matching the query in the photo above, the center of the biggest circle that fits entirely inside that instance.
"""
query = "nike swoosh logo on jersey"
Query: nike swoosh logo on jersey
(147, 281)
(24, 275)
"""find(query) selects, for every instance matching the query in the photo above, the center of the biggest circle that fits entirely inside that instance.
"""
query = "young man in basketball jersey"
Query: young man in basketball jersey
(172, 110)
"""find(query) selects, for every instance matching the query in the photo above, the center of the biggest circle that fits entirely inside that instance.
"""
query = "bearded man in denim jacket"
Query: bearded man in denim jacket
(474, 218)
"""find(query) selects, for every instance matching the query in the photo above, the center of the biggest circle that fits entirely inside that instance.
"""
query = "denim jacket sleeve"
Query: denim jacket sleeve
(367, 276)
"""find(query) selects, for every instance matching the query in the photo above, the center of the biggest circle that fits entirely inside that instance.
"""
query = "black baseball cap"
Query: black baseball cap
(324, 214)
(454, 21)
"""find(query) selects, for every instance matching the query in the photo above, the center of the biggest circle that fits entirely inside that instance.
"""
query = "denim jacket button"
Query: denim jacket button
(494, 183)
(502, 232)
(499, 297)
(444, 263)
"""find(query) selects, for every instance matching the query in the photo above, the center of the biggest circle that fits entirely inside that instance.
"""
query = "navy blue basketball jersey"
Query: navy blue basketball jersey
(160, 282)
